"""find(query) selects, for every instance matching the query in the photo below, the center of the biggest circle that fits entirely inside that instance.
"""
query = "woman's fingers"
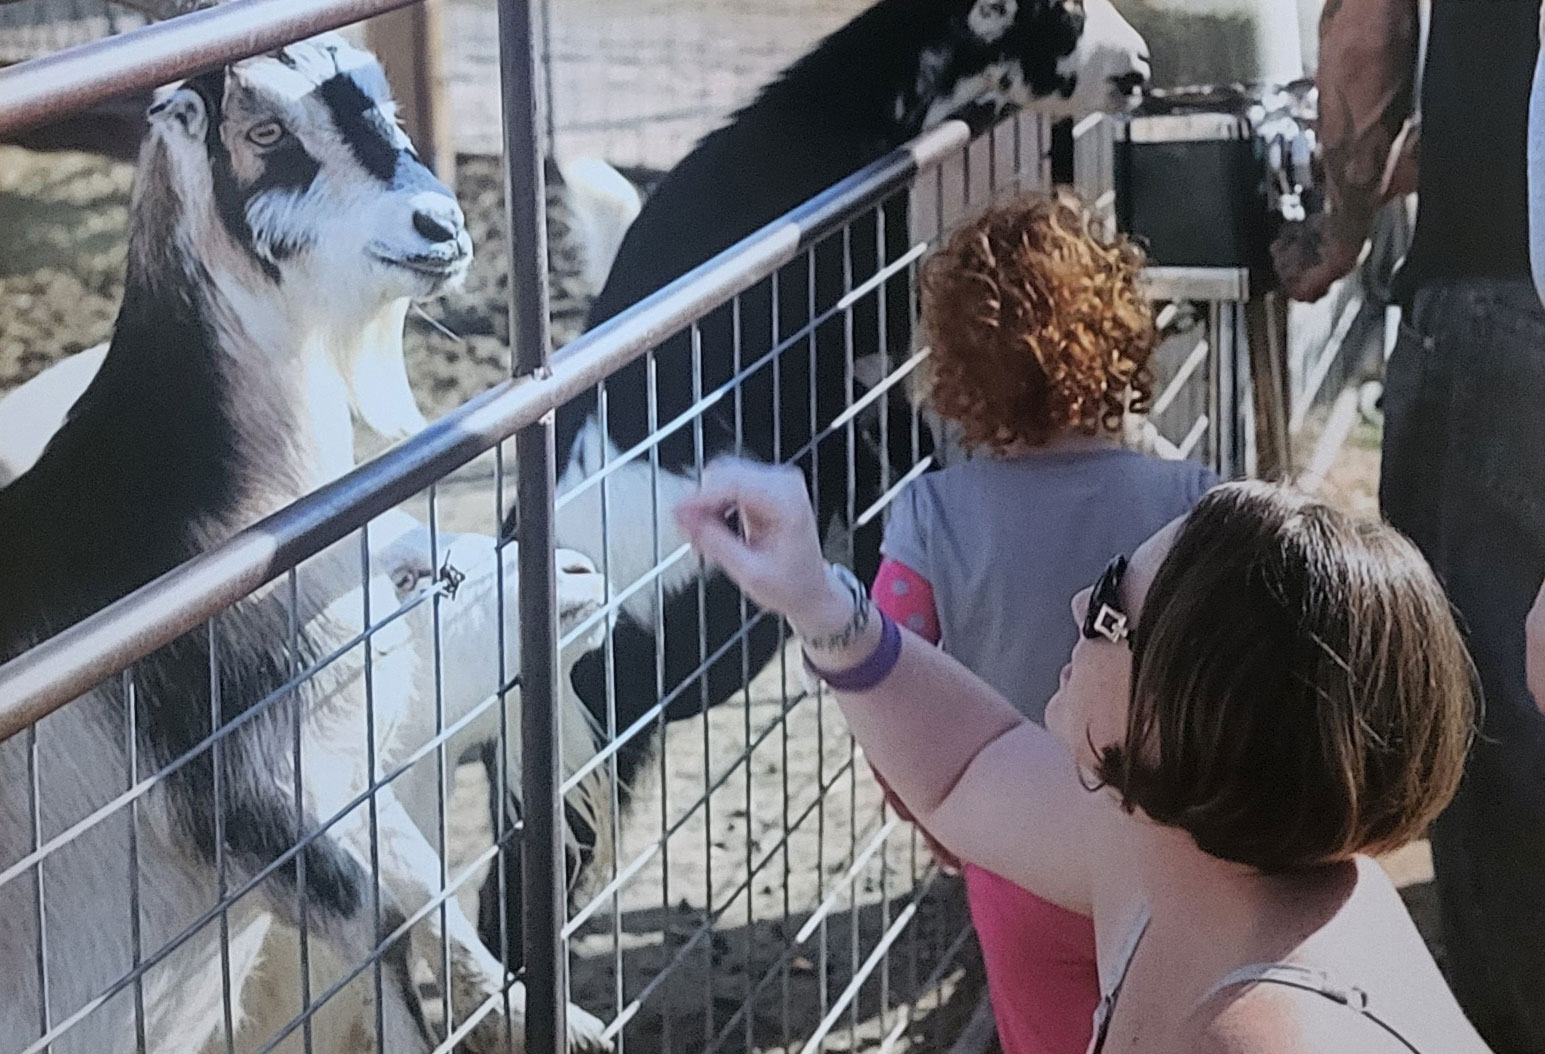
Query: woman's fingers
(714, 539)
(755, 523)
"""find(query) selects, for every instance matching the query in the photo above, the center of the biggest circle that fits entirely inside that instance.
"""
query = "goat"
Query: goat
(457, 688)
(601, 201)
(280, 224)
(897, 69)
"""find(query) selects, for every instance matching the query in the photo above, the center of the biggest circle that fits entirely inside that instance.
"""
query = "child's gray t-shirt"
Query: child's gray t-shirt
(1007, 542)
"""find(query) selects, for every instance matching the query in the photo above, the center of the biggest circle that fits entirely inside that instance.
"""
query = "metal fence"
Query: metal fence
(754, 895)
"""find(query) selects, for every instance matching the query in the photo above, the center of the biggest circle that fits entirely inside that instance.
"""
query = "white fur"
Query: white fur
(87, 882)
(468, 675)
(603, 204)
(375, 390)
(630, 494)
(999, 83)
(1107, 49)
(467, 629)
(990, 19)
(33, 412)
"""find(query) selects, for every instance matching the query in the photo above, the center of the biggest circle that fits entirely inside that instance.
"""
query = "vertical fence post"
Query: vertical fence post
(543, 903)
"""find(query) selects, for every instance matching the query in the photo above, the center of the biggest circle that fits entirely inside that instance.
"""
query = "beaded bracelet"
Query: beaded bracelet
(869, 673)
(856, 624)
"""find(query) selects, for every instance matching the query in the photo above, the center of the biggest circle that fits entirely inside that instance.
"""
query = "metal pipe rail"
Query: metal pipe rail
(47, 676)
(44, 89)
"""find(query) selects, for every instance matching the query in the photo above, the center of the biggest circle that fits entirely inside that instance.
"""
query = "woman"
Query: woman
(1267, 694)
(1040, 336)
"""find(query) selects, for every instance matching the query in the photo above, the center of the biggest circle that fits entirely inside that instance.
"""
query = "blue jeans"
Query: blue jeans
(1464, 477)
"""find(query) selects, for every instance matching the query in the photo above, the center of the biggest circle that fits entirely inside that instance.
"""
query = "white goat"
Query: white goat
(458, 690)
(280, 224)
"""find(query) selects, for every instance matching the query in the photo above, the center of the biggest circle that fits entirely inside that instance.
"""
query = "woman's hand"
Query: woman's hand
(755, 522)
(1534, 649)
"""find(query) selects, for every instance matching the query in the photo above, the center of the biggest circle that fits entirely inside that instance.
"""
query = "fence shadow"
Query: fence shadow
(756, 986)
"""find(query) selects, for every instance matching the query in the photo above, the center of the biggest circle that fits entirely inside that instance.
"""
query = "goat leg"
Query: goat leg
(410, 869)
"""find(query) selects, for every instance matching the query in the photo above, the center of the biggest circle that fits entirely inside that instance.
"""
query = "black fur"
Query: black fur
(287, 167)
(144, 470)
(361, 125)
(865, 90)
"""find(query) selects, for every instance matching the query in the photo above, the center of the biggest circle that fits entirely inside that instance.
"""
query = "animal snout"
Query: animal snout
(439, 220)
(1132, 81)
(571, 562)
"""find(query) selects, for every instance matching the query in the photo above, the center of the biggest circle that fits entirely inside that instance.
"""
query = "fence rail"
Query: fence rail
(53, 86)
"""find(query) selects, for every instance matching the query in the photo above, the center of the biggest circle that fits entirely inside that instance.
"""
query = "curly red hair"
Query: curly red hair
(1036, 324)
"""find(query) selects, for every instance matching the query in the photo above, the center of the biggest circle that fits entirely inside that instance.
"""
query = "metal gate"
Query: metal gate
(756, 895)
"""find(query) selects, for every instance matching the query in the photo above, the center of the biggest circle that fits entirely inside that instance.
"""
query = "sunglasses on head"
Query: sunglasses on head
(1105, 617)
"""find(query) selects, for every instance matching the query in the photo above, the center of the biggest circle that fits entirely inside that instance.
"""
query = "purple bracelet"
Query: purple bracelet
(871, 671)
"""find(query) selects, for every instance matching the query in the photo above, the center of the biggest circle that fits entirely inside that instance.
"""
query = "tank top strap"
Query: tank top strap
(1109, 994)
(1309, 979)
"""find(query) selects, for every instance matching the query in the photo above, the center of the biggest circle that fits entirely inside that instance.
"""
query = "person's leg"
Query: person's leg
(1464, 476)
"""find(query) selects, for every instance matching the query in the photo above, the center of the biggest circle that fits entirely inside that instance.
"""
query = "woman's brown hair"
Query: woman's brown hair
(1300, 690)
(1036, 325)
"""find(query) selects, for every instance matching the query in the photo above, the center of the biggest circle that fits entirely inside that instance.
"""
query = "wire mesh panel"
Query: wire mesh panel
(264, 830)
(163, 909)
(756, 894)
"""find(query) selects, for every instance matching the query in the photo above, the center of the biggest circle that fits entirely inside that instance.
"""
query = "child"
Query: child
(1040, 342)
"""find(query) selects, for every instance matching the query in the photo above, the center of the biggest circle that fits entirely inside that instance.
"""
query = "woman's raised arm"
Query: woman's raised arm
(994, 788)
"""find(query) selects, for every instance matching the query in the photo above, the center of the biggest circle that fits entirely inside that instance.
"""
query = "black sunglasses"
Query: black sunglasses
(1105, 618)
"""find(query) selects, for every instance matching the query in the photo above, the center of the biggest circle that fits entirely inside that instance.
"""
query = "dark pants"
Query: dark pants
(1464, 477)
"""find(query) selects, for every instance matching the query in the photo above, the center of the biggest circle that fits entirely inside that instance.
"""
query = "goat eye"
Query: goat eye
(266, 134)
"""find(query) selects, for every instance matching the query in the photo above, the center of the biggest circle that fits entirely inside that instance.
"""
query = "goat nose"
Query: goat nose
(437, 225)
(1129, 82)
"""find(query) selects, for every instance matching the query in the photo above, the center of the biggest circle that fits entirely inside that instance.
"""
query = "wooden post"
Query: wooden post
(410, 45)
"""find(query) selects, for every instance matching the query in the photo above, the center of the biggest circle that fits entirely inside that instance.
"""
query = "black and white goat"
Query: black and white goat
(280, 224)
(896, 70)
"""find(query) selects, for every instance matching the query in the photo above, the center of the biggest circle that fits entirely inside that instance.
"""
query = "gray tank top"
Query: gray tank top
(1007, 542)
(1291, 975)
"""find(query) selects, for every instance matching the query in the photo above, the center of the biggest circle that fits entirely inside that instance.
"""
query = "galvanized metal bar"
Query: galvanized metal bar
(543, 889)
(652, 393)
(136, 937)
(39, 898)
(46, 89)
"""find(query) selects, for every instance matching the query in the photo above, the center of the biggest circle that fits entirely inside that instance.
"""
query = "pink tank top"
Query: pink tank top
(1040, 959)
(1041, 972)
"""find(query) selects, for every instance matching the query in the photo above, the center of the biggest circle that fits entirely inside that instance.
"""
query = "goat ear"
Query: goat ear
(183, 108)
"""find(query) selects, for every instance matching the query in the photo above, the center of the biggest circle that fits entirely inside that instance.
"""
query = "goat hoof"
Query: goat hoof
(587, 1034)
